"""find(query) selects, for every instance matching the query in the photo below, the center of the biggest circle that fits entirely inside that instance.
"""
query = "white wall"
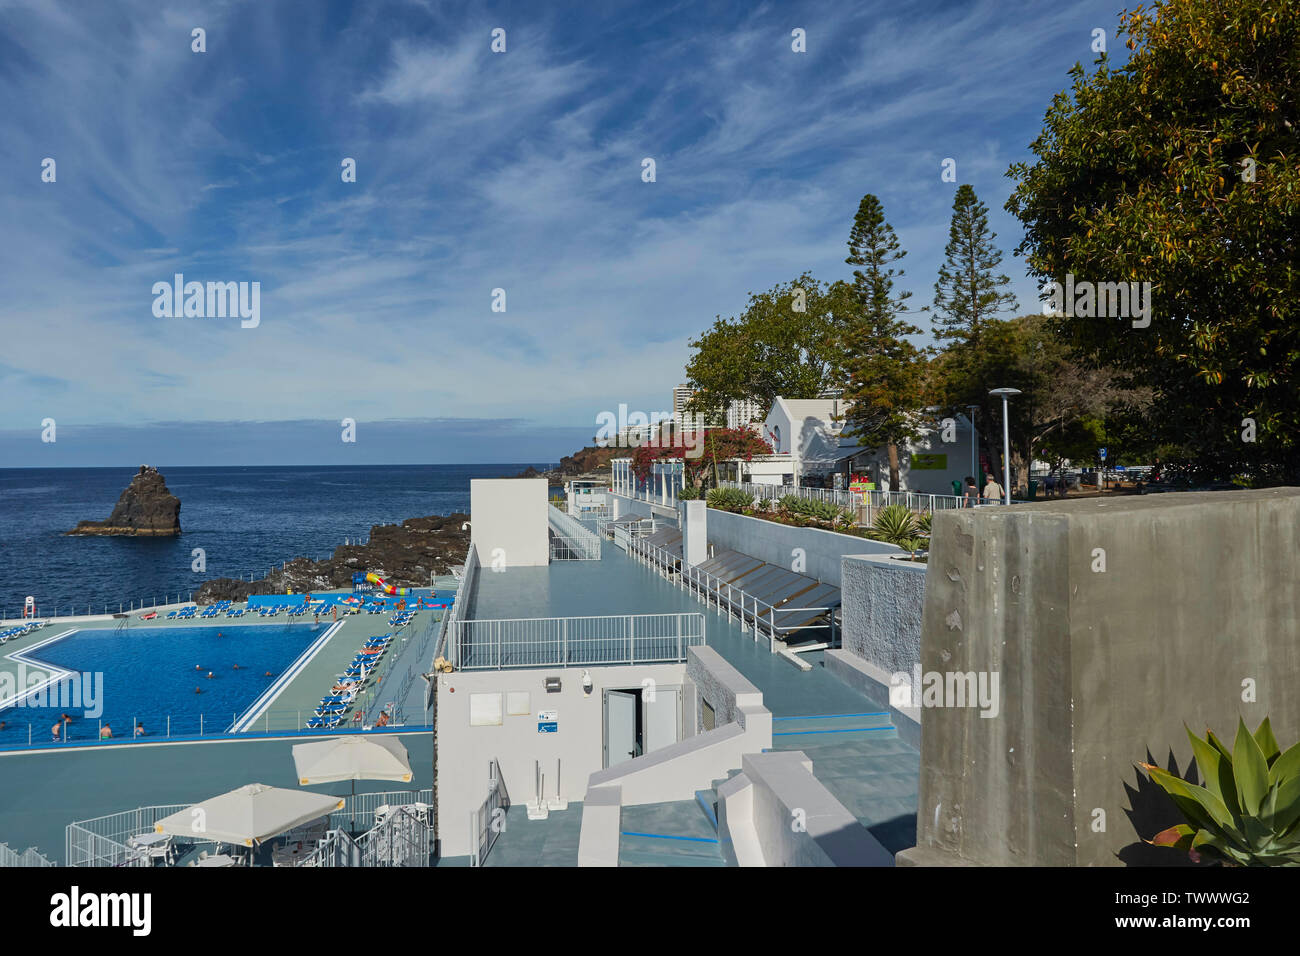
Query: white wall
(464, 752)
(508, 521)
(930, 442)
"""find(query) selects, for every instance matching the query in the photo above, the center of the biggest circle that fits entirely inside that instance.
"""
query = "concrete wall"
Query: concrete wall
(775, 544)
(725, 688)
(508, 521)
(1192, 618)
(464, 751)
(784, 790)
(635, 506)
(882, 600)
(881, 687)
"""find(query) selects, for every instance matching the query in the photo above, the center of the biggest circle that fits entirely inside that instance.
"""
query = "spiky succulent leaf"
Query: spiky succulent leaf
(1285, 766)
(1179, 836)
(1267, 742)
(1202, 808)
(1249, 771)
(1216, 769)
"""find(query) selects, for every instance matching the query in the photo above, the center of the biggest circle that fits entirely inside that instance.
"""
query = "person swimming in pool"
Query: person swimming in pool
(268, 674)
(198, 667)
(209, 675)
(198, 690)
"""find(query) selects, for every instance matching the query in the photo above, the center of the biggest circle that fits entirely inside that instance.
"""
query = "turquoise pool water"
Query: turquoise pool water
(155, 676)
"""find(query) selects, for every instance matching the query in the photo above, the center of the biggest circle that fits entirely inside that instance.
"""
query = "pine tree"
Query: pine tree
(968, 292)
(884, 370)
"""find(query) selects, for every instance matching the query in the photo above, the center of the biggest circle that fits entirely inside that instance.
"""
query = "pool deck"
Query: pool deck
(856, 753)
(295, 702)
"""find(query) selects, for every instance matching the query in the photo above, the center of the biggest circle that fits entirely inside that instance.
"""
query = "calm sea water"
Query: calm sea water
(245, 520)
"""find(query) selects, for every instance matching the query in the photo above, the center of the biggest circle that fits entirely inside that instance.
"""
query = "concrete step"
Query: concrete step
(667, 850)
(811, 725)
(708, 801)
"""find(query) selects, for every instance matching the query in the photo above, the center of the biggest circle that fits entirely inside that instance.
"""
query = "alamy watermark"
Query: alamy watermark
(946, 689)
(626, 429)
(216, 300)
(1100, 300)
(69, 691)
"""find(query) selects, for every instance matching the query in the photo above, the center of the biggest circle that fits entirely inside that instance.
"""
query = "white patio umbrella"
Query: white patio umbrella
(250, 815)
(352, 758)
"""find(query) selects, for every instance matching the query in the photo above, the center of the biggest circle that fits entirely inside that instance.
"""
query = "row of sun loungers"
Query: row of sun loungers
(20, 630)
(335, 705)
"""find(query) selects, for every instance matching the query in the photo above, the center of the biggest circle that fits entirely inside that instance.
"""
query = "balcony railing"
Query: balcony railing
(576, 641)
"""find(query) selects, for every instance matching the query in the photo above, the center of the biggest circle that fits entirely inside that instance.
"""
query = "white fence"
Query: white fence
(28, 858)
(576, 641)
(488, 820)
(859, 501)
(103, 841)
(571, 540)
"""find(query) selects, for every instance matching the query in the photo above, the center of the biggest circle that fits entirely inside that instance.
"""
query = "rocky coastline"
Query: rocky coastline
(404, 555)
(146, 508)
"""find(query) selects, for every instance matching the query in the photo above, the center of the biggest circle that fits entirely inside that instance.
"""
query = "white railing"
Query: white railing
(489, 819)
(576, 641)
(28, 858)
(870, 501)
(749, 610)
(570, 539)
(459, 608)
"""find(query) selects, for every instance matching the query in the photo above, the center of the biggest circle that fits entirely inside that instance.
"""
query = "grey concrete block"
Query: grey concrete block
(1111, 622)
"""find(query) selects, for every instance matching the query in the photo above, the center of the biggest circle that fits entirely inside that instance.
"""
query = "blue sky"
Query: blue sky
(475, 171)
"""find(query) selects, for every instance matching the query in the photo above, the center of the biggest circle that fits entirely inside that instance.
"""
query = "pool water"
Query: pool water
(150, 674)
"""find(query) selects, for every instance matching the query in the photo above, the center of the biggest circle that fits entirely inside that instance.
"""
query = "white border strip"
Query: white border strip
(278, 686)
(57, 674)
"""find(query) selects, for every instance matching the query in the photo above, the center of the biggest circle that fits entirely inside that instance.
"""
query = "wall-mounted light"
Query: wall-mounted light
(586, 683)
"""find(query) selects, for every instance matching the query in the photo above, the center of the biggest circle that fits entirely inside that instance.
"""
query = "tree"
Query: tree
(1059, 393)
(1179, 170)
(968, 292)
(702, 455)
(884, 371)
(782, 344)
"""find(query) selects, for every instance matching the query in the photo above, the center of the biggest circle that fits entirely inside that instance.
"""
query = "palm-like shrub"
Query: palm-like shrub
(923, 523)
(895, 524)
(689, 493)
(1248, 812)
(728, 499)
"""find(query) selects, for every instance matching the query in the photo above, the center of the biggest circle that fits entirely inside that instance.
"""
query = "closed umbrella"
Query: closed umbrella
(352, 758)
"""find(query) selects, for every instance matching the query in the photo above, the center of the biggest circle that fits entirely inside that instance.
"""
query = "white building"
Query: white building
(743, 413)
(810, 431)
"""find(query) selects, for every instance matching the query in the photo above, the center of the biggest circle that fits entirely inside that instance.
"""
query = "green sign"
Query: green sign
(929, 462)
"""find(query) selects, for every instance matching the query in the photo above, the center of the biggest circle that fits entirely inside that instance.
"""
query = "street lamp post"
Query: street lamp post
(974, 445)
(1006, 441)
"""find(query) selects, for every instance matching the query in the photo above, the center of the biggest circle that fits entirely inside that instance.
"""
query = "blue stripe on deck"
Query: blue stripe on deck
(665, 836)
(844, 730)
(874, 713)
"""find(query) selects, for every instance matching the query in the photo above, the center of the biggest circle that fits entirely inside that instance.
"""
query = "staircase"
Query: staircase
(668, 834)
(859, 758)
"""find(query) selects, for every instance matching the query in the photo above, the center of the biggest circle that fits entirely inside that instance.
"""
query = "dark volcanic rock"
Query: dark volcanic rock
(402, 554)
(146, 507)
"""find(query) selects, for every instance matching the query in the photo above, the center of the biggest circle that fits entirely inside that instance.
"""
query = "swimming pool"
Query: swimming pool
(157, 676)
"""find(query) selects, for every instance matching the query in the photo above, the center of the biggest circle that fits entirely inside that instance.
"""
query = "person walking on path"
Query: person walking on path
(993, 491)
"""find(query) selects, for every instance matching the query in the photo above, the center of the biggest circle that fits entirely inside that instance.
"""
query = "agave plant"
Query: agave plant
(895, 524)
(923, 523)
(1248, 812)
(688, 493)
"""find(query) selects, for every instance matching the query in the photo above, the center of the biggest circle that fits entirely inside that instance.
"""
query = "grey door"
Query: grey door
(620, 726)
(660, 718)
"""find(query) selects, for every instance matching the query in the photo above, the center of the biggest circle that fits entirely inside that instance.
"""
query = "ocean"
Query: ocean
(245, 520)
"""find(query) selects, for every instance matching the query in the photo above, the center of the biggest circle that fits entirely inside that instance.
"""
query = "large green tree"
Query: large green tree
(884, 372)
(969, 291)
(784, 344)
(1180, 169)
